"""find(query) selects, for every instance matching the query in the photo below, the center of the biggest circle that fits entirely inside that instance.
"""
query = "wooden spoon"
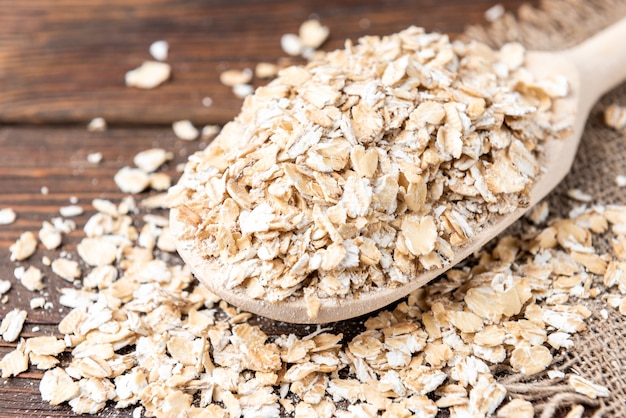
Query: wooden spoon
(592, 68)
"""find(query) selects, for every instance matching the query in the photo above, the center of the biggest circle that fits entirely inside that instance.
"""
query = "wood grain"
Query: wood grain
(63, 63)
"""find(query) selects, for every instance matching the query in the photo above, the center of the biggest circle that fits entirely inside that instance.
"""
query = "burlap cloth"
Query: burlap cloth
(599, 353)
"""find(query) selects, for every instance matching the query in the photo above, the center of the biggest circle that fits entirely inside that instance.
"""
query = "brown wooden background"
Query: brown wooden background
(62, 62)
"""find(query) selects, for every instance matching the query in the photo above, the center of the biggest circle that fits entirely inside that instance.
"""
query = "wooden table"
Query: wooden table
(63, 62)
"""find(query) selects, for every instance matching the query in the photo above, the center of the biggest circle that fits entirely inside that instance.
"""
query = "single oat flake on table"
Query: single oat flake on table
(367, 166)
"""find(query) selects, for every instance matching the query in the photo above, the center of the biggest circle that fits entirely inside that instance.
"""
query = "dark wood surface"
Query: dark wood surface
(63, 62)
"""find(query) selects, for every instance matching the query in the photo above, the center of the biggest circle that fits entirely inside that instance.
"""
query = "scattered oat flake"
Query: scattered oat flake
(97, 251)
(577, 411)
(232, 78)
(159, 50)
(160, 181)
(96, 125)
(24, 247)
(615, 116)
(36, 303)
(312, 34)
(66, 269)
(184, 129)
(94, 158)
(207, 101)
(149, 75)
(243, 90)
(579, 195)
(14, 362)
(587, 387)
(131, 180)
(265, 70)
(182, 357)
(155, 201)
(31, 278)
(12, 324)
(71, 211)
(291, 44)
(5, 286)
(7, 216)
(150, 160)
(338, 128)
(494, 13)
(620, 180)
(555, 374)
(209, 131)
(531, 360)
(57, 387)
(517, 408)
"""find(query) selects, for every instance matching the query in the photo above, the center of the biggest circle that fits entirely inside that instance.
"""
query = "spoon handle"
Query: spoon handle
(601, 61)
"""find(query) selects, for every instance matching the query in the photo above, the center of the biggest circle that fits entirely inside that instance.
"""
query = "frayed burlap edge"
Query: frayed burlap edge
(598, 353)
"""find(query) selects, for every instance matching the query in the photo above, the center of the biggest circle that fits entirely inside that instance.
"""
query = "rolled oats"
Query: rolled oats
(131, 180)
(159, 50)
(232, 78)
(291, 44)
(7, 216)
(378, 178)
(68, 270)
(94, 158)
(265, 70)
(14, 362)
(243, 90)
(70, 211)
(148, 75)
(12, 324)
(312, 34)
(432, 352)
(57, 387)
(31, 278)
(494, 13)
(24, 247)
(97, 251)
(36, 303)
(615, 116)
(5, 286)
(50, 236)
(96, 125)
(151, 159)
(184, 129)
(188, 353)
(587, 388)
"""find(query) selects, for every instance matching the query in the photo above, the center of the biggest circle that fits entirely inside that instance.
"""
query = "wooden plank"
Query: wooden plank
(64, 61)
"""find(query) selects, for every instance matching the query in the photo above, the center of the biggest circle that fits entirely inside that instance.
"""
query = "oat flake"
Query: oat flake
(7, 216)
(322, 151)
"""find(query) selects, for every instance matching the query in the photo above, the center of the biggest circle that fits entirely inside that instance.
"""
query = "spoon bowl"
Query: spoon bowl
(591, 69)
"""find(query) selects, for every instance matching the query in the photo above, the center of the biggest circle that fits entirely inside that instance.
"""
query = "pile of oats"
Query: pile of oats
(142, 334)
(367, 166)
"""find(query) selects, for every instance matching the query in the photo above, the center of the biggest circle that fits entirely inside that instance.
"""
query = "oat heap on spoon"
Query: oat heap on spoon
(367, 166)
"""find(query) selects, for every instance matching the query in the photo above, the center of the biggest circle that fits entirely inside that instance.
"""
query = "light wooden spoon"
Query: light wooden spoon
(592, 68)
